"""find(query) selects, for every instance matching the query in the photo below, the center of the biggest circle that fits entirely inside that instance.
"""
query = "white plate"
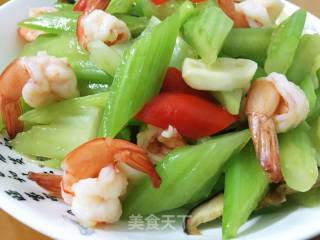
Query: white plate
(29, 204)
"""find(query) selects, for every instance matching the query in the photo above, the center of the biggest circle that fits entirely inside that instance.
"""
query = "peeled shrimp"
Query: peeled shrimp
(260, 13)
(158, 142)
(30, 34)
(92, 182)
(273, 105)
(40, 80)
(99, 25)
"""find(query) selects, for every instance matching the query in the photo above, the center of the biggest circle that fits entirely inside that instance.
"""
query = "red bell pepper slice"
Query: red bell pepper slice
(193, 116)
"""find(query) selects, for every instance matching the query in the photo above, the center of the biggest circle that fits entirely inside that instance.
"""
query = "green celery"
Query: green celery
(140, 74)
(120, 6)
(149, 9)
(207, 32)
(66, 45)
(104, 56)
(251, 43)
(1, 124)
(55, 22)
(306, 60)
(136, 25)
(57, 139)
(308, 88)
(284, 43)
(64, 6)
(49, 114)
(184, 172)
(230, 100)
(181, 51)
(298, 159)
(245, 185)
(307, 199)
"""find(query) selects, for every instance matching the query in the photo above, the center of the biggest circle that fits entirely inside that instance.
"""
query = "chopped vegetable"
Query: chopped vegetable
(184, 111)
(298, 159)
(226, 74)
(306, 60)
(55, 22)
(284, 43)
(250, 43)
(120, 6)
(245, 185)
(181, 51)
(136, 25)
(104, 56)
(207, 31)
(230, 100)
(183, 173)
(140, 74)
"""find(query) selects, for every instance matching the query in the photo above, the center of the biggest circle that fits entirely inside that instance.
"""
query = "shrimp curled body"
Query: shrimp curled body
(40, 80)
(93, 180)
(274, 105)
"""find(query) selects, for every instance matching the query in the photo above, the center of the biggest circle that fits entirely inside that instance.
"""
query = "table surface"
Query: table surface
(10, 229)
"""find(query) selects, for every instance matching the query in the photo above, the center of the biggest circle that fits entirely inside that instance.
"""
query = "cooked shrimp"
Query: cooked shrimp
(158, 142)
(274, 105)
(92, 182)
(30, 34)
(99, 25)
(228, 6)
(40, 80)
(260, 13)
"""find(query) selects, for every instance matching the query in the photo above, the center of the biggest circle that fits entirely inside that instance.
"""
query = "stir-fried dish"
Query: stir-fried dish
(152, 105)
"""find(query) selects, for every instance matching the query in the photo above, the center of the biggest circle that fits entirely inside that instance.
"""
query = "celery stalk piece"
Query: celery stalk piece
(308, 88)
(184, 172)
(149, 9)
(226, 74)
(64, 6)
(230, 100)
(305, 60)
(92, 88)
(284, 43)
(314, 134)
(136, 25)
(298, 159)
(207, 32)
(307, 199)
(141, 71)
(245, 185)
(250, 43)
(57, 139)
(181, 51)
(1, 124)
(120, 6)
(104, 56)
(66, 45)
(50, 113)
(55, 22)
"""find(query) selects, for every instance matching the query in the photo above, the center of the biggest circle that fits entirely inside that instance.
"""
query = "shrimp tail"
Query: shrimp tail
(11, 111)
(264, 136)
(50, 182)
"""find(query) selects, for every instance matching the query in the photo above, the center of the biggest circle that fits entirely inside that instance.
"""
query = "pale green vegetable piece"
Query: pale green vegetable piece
(104, 56)
(298, 159)
(230, 100)
(226, 74)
